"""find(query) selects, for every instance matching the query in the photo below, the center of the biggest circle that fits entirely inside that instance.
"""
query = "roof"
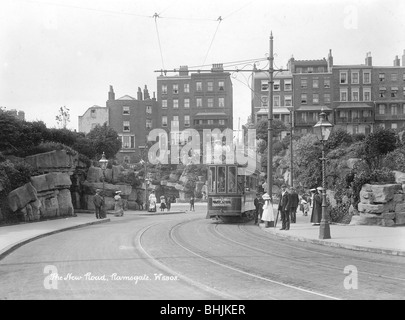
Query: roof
(313, 108)
(353, 106)
(211, 114)
(126, 97)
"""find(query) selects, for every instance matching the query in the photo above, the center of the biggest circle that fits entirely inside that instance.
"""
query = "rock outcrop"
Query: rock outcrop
(381, 205)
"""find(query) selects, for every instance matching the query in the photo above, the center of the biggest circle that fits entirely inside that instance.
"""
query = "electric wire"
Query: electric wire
(158, 37)
(215, 33)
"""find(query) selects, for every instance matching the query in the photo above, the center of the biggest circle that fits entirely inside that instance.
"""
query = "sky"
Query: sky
(56, 53)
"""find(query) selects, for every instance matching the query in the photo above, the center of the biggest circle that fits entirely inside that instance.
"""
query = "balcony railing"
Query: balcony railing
(354, 120)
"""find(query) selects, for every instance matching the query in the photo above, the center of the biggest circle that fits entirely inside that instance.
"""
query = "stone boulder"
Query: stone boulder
(94, 174)
(399, 177)
(57, 160)
(381, 193)
(51, 181)
(109, 189)
(20, 197)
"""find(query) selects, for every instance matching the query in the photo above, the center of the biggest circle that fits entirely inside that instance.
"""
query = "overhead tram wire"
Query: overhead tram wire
(157, 32)
(215, 33)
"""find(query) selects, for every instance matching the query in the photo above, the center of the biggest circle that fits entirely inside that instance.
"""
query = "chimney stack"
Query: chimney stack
(403, 59)
(183, 71)
(330, 61)
(369, 60)
(146, 93)
(139, 94)
(111, 94)
(397, 62)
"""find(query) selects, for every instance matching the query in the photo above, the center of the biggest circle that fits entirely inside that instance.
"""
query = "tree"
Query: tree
(262, 129)
(63, 117)
(337, 138)
(104, 139)
(378, 144)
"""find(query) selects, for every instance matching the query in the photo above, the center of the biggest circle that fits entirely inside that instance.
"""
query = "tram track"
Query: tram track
(237, 268)
(329, 266)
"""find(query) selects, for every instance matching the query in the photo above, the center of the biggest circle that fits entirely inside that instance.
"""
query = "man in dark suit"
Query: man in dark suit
(294, 201)
(284, 208)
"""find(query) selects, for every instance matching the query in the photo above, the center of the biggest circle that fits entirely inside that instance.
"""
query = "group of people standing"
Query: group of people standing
(164, 203)
(289, 202)
(99, 203)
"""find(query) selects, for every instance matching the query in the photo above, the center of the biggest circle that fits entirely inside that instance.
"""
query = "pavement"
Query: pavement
(383, 240)
(376, 239)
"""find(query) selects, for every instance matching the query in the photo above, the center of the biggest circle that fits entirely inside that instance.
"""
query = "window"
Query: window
(321, 69)
(403, 108)
(175, 88)
(355, 129)
(221, 85)
(276, 101)
(232, 179)
(394, 76)
(394, 92)
(276, 85)
(125, 110)
(288, 101)
(164, 104)
(164, 88)
(221, 122)
(186, 88)
(381, 109)
(310, 69)
(198, 86)
(210, 121)
(315, 83)
(366, 113)
(212, 180)
(186, 103)
(394, 109)
(355, 94)
(128, 142)
(381, 76)
(394, 126)
(148, 109)
(326, 97)
(287, 85)
(126, 126)
(210, 102)
(304, 98)
(265, 85)
(381, 94)
(264, 101)
(304, 84)
(326, 83)
(343, 94)
(343, 114)
(175, 103)
(366, 94)
(366, 77)
(304, 117)
(299, 70)
(221, 102)
(198, 102)
(343, 77)
(164, 121)
(221, 179)
(210, 86)
(355, 77)
(186, 120)
(315, 98)
(175, 122)
(148, 123)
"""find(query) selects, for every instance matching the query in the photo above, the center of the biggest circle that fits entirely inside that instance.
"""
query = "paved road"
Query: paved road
(185, 256)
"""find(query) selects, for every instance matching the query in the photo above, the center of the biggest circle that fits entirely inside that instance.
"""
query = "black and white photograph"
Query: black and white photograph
(202, 156)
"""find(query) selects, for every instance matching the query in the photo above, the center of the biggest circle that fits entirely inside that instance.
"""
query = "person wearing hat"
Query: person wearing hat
(118, 205)
(98, 204)
(258, 202)
(294, 202)
(316, 207)
(268, 214)
(284, 208)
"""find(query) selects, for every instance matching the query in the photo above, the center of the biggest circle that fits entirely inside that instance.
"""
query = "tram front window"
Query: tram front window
(211, 180)
(232, 179)
(221, 179)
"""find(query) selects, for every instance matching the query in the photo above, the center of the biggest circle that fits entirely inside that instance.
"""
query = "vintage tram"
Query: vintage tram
(232, 189)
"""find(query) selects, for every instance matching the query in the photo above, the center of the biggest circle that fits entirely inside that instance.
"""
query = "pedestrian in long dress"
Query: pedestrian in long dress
(118, 205)
(268, 214)
(316, 208)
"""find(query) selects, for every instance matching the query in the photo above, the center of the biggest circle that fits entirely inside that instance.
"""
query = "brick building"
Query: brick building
(132, 118)
(199, 100)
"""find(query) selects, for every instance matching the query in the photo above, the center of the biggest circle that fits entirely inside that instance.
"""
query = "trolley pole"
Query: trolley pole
(270, 124)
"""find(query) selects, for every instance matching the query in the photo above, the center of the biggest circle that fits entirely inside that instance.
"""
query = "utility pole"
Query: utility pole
(270, 124)
(291, 147)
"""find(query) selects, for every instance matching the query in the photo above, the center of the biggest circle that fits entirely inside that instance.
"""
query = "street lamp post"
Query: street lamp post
(103, 164)
(322, 129)
(146, 183)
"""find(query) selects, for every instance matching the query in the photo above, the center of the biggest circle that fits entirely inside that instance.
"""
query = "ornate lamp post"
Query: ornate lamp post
(322, 129)
(103, 165)
(146, 183)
